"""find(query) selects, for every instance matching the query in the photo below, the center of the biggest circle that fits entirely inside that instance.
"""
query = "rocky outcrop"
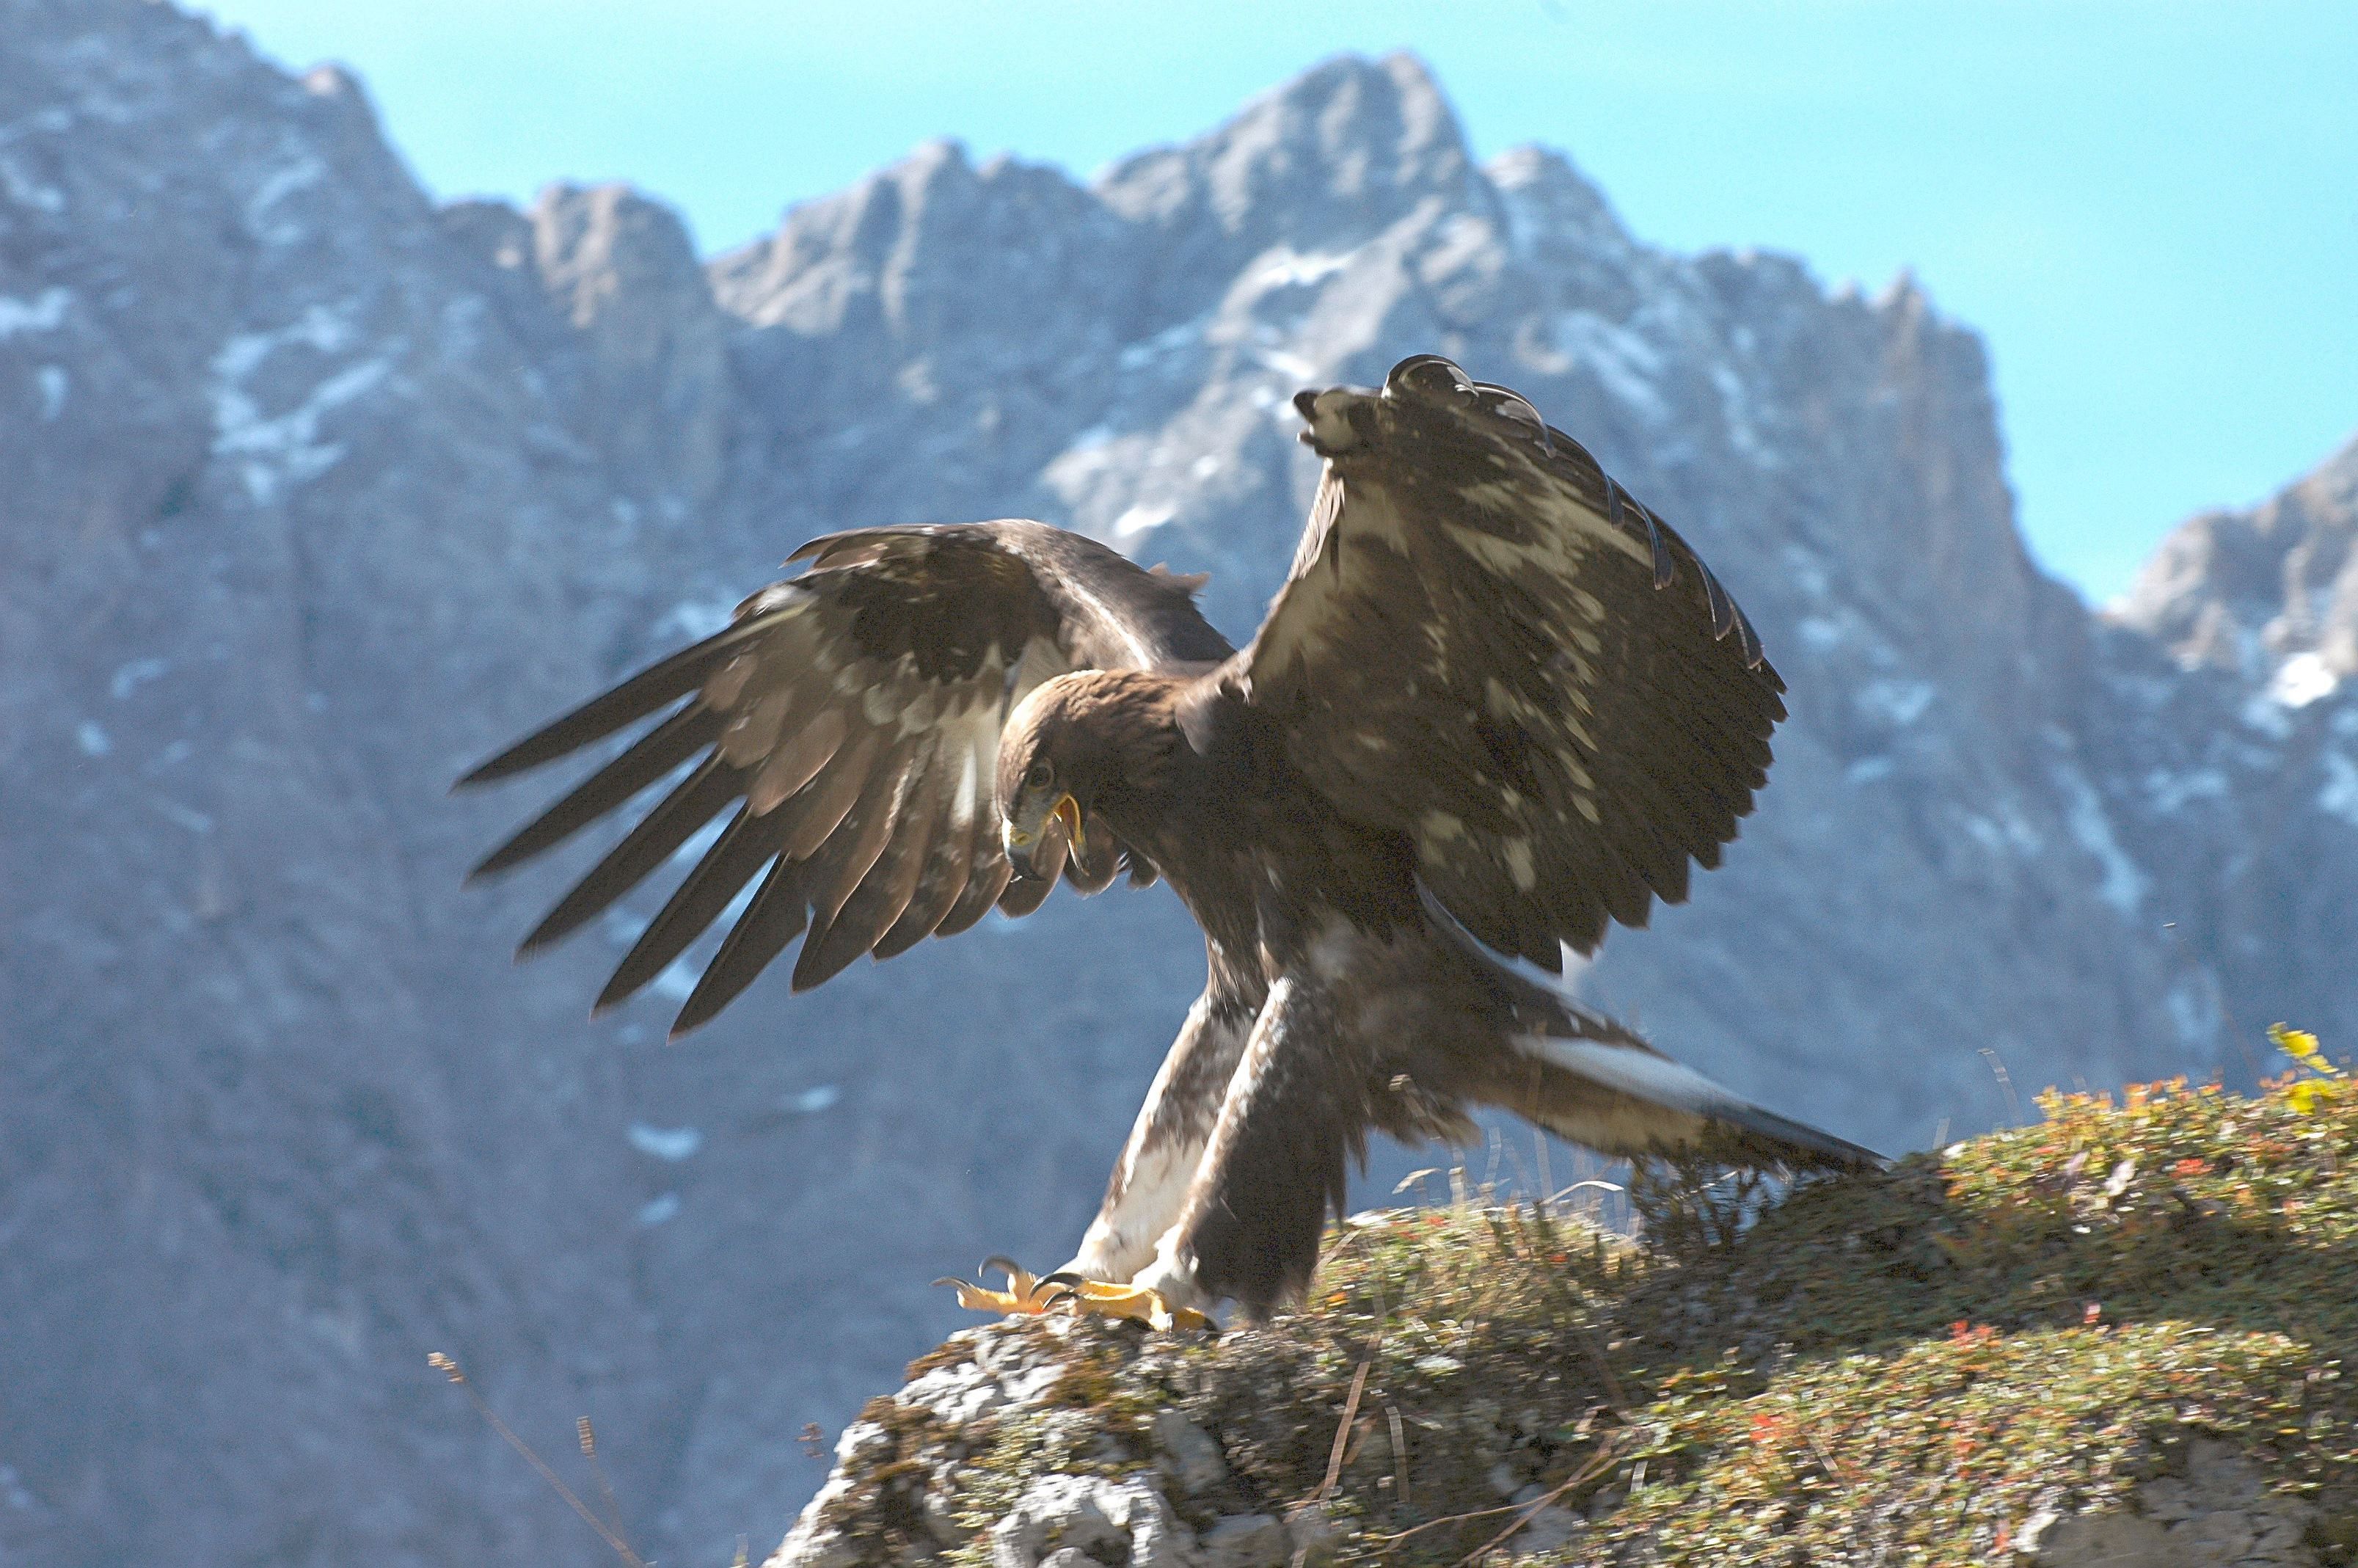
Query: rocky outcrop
(912, 1485)
(2270, 593)
(912, 1475)
(2081, 1342)
(318, 491)
(2217, 1513)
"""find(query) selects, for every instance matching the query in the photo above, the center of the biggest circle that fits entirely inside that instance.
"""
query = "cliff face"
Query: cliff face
(319, 491)
(2227, 700)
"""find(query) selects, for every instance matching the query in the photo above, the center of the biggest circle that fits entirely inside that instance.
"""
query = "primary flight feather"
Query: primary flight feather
(1497, 704)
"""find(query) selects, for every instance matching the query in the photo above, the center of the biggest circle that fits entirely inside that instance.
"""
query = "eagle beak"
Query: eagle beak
(1026, 831)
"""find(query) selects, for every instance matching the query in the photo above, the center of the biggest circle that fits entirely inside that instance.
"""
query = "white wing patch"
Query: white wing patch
(1577, 525)
(1441, 826)
(963, 799)
(1639, 1074)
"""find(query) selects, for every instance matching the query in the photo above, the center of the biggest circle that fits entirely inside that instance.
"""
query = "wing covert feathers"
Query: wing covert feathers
(1488, 644)
(850, 717)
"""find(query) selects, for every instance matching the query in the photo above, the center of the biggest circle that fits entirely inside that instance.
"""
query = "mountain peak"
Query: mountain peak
(1390, 110)
(1349, 141)
(2254, 589)
(595, 245)
(1553, 206)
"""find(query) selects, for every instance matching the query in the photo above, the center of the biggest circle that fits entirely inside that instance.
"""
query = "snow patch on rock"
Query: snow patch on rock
(45, 312)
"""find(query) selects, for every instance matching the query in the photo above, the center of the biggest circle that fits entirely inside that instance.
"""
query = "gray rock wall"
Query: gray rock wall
(316, 493)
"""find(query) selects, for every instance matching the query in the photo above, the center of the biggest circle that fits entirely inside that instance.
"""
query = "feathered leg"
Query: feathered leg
(1149, 1183)
(1296, 1112)
(1166, 1144)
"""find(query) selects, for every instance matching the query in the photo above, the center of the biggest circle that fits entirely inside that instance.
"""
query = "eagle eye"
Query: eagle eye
(1039, 776)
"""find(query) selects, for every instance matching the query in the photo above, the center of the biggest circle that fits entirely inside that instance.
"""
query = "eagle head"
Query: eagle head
(1348, 419)
(1075, 745)
(1343, 419)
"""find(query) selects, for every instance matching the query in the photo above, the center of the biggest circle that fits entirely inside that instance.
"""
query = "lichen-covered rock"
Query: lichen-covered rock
(1189, 1457)
(2218, 1514)
(1246, 1541)
(1025, 1442)
(1118, 1522)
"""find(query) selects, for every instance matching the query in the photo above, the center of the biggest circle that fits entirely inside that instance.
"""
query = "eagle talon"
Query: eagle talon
(1032, 1296)
(1022, 1294)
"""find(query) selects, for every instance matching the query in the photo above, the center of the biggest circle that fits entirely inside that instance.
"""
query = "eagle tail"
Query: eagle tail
(1596, 1083)
(1749, 1130)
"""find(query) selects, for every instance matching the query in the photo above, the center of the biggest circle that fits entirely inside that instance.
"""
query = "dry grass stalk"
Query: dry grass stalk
(613, 1538)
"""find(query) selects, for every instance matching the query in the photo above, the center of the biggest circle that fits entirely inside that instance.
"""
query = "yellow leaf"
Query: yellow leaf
(2298, 1044)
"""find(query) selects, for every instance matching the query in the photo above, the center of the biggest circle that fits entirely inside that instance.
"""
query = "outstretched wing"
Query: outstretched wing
(1485, 644)
(847, 722)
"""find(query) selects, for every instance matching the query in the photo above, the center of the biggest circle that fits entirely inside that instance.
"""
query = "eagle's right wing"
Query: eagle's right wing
(1489, 646)
(850, 717)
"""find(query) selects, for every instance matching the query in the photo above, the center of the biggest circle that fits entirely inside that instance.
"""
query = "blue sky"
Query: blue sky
(2149, 207)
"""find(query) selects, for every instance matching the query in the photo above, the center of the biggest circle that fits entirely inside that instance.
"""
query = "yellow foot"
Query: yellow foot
(1032, 1296)
(1025, 1292)
(1100, 1299)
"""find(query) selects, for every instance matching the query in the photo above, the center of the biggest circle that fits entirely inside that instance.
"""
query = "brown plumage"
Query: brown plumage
(1497, 704)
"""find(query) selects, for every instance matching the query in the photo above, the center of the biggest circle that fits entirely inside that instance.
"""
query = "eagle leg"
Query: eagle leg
(1030, 1295)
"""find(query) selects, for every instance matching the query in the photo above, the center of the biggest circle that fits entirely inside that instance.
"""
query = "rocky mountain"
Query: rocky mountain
(2270, 594)
(318, 491)
(2226, 702)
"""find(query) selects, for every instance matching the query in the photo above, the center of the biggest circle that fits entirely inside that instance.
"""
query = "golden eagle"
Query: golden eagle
(1497, 704)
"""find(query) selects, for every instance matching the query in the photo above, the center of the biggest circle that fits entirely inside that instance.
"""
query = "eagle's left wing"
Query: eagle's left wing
(1489, 646)
(847, 725)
